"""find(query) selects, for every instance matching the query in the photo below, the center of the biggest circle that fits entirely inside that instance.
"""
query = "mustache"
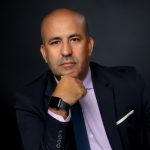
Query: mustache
(67, 59)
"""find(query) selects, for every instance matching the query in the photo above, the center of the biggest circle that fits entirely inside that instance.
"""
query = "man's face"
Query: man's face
(66, 47)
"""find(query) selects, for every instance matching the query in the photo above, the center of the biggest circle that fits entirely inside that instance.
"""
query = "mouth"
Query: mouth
(68, 64)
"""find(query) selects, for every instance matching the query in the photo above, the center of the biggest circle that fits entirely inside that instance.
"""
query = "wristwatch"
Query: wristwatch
(57, 102)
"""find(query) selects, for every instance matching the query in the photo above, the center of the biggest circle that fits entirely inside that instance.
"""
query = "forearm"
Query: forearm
(41, 133)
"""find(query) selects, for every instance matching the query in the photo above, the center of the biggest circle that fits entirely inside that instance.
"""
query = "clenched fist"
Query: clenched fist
(70, 89)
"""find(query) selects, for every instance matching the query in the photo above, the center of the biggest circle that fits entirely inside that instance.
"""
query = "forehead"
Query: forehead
(61, 25)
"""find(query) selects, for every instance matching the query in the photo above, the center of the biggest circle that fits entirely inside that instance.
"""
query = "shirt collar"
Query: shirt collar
(87, 82)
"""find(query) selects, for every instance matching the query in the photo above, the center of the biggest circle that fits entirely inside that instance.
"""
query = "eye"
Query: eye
(56, 42)
(75, 39)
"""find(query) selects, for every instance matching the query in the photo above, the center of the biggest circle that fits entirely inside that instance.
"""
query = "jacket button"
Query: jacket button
(58, 145)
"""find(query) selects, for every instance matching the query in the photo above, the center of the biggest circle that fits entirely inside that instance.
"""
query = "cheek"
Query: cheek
(52, 57)
(52, 62)
(82, 54)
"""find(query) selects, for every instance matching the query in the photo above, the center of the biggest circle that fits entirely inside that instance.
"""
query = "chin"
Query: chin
(71, 73)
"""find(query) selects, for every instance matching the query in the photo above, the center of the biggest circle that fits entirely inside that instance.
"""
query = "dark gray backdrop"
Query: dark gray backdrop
(121, 29)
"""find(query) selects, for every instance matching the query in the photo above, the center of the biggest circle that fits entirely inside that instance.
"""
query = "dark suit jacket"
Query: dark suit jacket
(120, 92)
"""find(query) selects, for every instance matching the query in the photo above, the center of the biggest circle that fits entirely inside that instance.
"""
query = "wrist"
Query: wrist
(60, 112)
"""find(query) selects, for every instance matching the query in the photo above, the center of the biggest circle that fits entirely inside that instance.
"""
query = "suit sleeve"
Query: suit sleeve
(38, 130)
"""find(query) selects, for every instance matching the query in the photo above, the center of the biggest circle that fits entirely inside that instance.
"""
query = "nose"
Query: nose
(66, 49)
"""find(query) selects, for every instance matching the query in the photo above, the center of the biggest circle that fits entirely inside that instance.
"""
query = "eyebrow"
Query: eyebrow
(58, 38)
(74, 35)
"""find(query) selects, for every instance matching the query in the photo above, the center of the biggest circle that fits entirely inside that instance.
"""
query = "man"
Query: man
(115, 101)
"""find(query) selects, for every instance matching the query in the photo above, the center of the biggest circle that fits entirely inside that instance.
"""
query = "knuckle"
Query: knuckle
(82, 92)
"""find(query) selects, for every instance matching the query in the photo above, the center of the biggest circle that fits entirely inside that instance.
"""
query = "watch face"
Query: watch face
(56, 102)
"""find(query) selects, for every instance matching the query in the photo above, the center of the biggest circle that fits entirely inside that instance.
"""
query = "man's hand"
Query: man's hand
(70, 89)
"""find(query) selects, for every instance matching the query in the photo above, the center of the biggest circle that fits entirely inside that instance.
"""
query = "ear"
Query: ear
(90, 45)
(43, 52)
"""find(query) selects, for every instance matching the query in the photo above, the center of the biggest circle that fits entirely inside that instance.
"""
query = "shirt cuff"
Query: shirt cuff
(59, 117)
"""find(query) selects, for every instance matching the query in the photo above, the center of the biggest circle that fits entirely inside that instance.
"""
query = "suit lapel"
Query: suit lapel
(50, 86)
(106, 102)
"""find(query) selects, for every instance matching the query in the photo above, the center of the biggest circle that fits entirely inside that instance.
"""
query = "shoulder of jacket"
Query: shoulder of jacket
(113, 69)
(38, 82)
(116, 73)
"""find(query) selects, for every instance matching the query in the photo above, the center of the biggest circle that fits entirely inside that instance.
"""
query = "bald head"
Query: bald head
(62, 14)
